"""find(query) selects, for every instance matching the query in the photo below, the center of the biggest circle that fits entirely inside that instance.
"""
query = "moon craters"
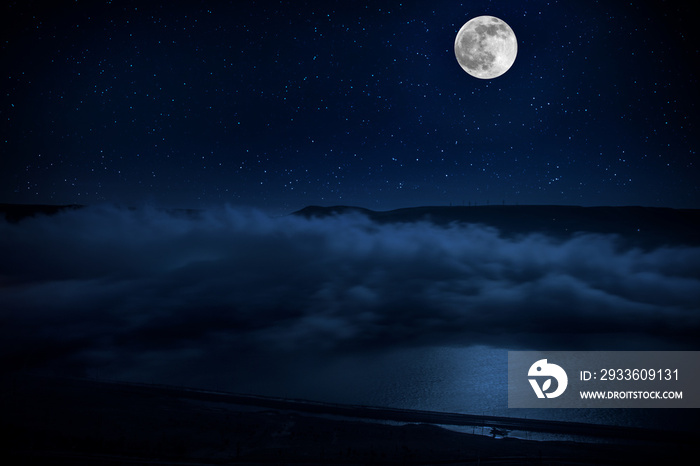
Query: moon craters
(485, 47)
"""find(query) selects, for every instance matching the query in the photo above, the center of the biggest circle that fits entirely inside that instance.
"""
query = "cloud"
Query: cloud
(144, 289)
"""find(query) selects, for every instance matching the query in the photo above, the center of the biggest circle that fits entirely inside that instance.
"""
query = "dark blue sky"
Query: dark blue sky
(282, 104)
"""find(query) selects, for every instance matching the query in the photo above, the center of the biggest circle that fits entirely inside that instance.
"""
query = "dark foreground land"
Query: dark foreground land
(77, 421)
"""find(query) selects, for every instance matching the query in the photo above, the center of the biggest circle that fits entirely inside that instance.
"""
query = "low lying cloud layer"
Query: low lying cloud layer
(108, 286)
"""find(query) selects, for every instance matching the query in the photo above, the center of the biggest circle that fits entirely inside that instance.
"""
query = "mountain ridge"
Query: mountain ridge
(636, 225)
(642, 226)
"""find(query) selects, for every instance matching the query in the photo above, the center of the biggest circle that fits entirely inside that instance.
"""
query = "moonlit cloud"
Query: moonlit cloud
(145, 288)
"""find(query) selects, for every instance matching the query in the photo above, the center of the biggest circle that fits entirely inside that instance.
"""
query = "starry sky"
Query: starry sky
(282, 104)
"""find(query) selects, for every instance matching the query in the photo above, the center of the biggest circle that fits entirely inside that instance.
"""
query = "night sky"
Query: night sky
(282, 104)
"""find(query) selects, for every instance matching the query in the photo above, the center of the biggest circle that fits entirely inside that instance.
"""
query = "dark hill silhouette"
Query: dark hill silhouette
(642, 226)
(639, 226)
(15, 212)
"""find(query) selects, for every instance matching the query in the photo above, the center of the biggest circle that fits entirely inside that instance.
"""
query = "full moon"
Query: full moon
(486, 47)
